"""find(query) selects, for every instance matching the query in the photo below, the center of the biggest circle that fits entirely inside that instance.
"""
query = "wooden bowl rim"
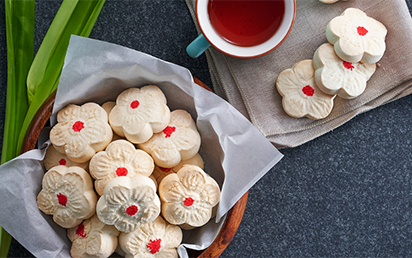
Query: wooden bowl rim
(233, 218)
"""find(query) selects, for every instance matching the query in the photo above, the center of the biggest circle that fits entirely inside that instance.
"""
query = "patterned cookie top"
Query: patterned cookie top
(127, 203)
(139, 112)
(92, 238)
(81, 131)
(119, 159)
(335, 76)
(301, 96)
(67, 193)
(154, 239)
(180, 140)
(54, 158)
(188, 196)
(357, 37)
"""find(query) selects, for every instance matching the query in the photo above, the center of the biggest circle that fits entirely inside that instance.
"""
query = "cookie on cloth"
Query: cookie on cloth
(92, 238)
(81, 131)
(159, 172)
(54, 158)
(301, 96)
(357, 37)
(335, 76)
(155, 239)
(140, 112)
(67, 194)
(188, 196)
(128, 203)
(179, 141)
(119, 159)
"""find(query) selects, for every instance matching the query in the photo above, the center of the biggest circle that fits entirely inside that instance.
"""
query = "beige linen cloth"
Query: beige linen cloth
(249, 84)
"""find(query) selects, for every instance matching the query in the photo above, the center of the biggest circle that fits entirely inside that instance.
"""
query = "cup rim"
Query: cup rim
(241, 51)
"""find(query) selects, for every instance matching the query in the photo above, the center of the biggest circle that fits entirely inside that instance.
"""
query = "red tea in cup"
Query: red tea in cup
(246, 22)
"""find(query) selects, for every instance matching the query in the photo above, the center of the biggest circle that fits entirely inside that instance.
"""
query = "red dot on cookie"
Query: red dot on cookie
(348, 65)
(135, 104)
(62, 162)
(121, 171)
(132, 210)
(154, 245)
(78, 126)
(362, 31)
(62, 199)
(188, 201)
(166, 170)
(169, 130)
(80, 231)
(308, 90)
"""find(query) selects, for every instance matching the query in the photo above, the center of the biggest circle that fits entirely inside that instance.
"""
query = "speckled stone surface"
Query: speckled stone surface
(345, 194)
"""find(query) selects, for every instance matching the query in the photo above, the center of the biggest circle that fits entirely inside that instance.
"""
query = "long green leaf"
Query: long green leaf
(20, 50)
(80, 22)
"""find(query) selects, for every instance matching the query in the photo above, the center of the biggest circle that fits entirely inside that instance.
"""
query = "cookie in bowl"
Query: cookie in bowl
(67, 194)
(179, 141)
(93, 238)
(159, 172)
(81, 131)
(188, 197)
(54, 158)
(128, 203)
(120, 159)
(155, 239)
(139, 113)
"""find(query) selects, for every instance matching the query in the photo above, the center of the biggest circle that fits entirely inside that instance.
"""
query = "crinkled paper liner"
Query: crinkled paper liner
(236, 154)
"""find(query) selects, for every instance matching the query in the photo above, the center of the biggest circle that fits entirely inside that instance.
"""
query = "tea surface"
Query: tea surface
(246, 22)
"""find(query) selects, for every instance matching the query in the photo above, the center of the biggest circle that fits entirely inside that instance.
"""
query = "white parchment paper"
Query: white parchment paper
(235, 153)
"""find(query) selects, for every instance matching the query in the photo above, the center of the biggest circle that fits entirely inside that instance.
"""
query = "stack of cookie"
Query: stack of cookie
(126, 175)
(341, 67)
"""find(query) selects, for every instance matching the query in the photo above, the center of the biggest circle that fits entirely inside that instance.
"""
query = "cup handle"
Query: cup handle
(197, 46)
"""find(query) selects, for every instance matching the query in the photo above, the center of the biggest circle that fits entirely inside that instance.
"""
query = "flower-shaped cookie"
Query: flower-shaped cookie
(155, 239)
(92, 238)
(180, 140)
(108, 106)
(81, 131)
(188, 196)
(139, 112)
(127, 203)
(119, 159)
(68, 195)
(159, 173)
(335, 76)
(54, 158)
(301, 96)
(357, 37)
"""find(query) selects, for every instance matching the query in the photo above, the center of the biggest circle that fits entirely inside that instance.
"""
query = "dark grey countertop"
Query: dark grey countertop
(345, 194)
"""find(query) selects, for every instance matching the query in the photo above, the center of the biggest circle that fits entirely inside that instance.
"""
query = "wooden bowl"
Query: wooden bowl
(233, 218)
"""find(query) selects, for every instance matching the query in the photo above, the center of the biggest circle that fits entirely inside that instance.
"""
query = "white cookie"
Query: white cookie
(301, 96)
(81, 131)
(188, 196)
(159, 173)
(155, 239)
(335, 76)
(92, 238)
(128, 203)
(140, 112)
(119, 159)
(357, 37)
(68, 195)
(179, 141)
(54, 158)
